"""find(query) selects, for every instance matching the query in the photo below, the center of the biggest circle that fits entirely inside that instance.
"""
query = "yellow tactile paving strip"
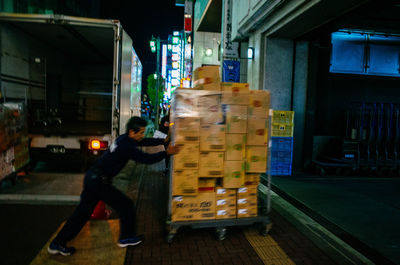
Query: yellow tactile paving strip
(267, 248)
(95, 244)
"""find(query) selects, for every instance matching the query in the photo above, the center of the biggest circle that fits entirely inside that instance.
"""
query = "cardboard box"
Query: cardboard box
(207, 78)
(212, 138)
(185, 182)
(251, 179)
(210, 109)
(247, 191)
(225, 213)
(225, 200)
(199, 207)
(211, 164)
(206, 184)
(245, 212)
(221, 193)
(187, 129)
(259, 103)
(236, 118)
(225, 203)
(235, 146)
(256, 159)
(247, 201)
(234, 174)
(188, 156)
(257, 133)
(235, 93)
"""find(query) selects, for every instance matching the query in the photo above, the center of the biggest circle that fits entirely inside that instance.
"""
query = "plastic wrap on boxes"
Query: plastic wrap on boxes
(187, 129)
(210, 108)
(217, 127)
(236, 118)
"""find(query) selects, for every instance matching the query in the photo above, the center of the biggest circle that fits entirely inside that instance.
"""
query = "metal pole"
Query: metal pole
(157, 83)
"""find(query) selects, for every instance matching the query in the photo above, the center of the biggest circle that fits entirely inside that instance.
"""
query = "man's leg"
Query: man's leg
(78, 218)
(124, 207)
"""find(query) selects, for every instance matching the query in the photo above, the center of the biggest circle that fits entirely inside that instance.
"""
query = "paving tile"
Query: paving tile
(200, 247)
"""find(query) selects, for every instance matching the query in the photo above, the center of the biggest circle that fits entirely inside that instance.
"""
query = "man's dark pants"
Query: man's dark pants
(95, 188)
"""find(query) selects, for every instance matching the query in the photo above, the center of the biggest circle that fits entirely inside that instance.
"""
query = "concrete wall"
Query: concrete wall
(278, 72)
(202, 41)
(255, 65)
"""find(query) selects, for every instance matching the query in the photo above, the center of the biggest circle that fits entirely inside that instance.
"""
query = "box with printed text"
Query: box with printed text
(199, 207)
(211, 164)
(188, 156)
(212, 138)
(185, 182)
(235, 93)
(235, 146)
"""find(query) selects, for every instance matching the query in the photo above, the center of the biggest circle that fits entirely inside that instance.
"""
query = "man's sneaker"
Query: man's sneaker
(131, 241)
(55, 248)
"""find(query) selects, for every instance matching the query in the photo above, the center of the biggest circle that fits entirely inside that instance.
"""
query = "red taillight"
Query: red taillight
(97, 145)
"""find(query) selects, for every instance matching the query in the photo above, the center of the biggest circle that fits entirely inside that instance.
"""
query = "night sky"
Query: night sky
(143, 18)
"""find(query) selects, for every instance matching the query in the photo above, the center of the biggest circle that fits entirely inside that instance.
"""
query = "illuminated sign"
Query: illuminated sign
(175, 57)
(175, 40)
(175, 82)
(176, 48)
(164, 61)
(175, 73)
(175, 65)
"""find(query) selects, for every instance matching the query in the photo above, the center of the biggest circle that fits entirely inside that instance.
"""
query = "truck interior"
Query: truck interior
(65, 77)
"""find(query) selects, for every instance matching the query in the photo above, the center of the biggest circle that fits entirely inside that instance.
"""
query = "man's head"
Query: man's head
(135, 128)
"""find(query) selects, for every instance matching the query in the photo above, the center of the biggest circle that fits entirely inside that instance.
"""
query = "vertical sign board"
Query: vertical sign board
(188, 15)
(230, 48)
(231, 71)
(188, 24)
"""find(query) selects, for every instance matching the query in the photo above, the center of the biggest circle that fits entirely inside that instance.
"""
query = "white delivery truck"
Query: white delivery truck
(80, 79)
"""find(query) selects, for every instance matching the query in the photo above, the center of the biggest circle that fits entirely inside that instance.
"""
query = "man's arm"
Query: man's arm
(146, 158)
(151, 142)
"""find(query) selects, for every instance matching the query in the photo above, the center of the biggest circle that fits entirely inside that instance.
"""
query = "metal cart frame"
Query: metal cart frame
(262, 222)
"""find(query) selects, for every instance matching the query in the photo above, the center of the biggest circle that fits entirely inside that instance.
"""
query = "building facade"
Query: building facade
(322, 59)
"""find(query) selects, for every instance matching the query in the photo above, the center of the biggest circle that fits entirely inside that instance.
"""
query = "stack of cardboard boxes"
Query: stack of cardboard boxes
(222, 131)
(14, 152)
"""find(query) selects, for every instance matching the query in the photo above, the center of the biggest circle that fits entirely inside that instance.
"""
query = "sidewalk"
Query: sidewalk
(243, 245)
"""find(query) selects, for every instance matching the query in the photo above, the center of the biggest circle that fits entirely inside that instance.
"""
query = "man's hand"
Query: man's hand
(168, 138)
(173, 149)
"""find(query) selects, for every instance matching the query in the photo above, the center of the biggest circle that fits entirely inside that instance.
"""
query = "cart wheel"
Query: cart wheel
(221, 233)
(265, 228)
